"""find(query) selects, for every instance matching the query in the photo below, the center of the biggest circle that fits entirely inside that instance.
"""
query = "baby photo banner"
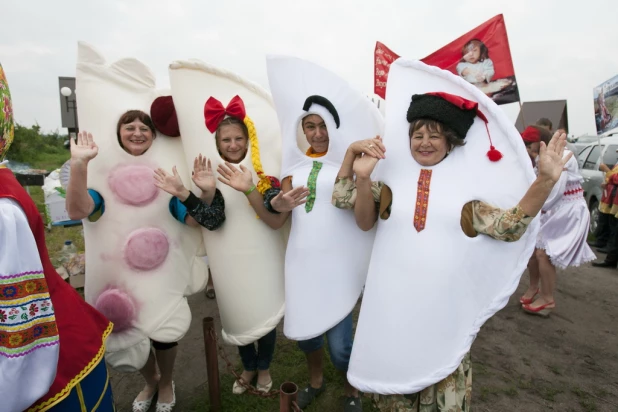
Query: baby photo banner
(482, 57)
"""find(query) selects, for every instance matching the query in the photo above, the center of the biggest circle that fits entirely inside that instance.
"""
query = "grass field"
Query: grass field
(289, 363)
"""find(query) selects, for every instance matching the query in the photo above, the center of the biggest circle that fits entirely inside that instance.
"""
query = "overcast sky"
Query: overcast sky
(561, 49)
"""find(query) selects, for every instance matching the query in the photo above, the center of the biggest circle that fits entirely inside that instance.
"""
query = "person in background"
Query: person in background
(52, 342)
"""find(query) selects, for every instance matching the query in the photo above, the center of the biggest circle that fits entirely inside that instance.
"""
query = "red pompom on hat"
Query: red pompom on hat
(531, 135)
(453, 111)
(163, 115)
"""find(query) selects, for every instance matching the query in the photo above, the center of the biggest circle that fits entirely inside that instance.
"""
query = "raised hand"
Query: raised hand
(364, 165)
(372, 147)
(285, 202)
(203, 176)
(85, 149)
(551, 161)
(172, 184)
(241, 180)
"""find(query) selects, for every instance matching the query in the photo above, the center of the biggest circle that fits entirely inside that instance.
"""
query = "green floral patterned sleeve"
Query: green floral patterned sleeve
(507, 225)
(454, 393)
(344, 192)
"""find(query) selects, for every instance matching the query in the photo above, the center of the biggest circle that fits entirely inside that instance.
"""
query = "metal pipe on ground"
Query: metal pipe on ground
(287, 397)
(212, 364)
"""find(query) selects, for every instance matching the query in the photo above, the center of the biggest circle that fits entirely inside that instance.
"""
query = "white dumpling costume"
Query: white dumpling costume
(327, 254)
(245, 255)
(428, 292)
(141, 262)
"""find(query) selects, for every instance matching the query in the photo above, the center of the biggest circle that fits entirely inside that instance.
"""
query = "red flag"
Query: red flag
(383, 57)
(482, 56)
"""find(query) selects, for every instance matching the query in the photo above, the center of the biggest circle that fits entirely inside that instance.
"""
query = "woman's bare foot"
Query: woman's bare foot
(166, 393)
(247, 376)
(543, 301)
(149, 390)
(529, 295)
(264, 377)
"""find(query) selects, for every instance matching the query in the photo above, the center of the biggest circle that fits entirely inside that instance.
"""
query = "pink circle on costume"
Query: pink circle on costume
(133, 184)
(146, 249)
(117, 306)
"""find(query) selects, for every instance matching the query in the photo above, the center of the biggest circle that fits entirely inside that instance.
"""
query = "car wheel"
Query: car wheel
(594, 216)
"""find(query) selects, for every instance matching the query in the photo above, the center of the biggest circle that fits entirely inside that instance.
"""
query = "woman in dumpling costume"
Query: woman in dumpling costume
(232, 120)
(231, 127)
(320, 115)
(432, 279)
(142, 259)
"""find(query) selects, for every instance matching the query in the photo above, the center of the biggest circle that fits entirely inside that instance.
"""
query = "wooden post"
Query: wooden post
(212, 364)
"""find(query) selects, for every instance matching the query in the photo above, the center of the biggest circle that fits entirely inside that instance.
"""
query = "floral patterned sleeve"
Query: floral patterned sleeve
(344, 192)
(507, 225)
(275, 189)
(211, 217)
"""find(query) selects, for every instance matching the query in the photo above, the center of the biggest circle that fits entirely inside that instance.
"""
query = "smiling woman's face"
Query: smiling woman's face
(232, 143)
(316, 133)
(428, 147)
(136, 137)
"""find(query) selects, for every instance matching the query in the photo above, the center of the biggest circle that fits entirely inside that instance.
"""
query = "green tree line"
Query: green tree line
(39, 150)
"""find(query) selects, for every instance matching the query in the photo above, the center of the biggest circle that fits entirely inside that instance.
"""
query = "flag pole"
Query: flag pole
(521, 110)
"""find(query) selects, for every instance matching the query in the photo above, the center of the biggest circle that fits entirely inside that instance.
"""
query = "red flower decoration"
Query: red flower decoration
(33, 309)
(274, 182)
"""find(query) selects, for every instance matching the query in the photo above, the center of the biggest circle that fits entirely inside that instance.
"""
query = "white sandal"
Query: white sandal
(143, 406)
(264, 388)
(167, 407)
(238, 388)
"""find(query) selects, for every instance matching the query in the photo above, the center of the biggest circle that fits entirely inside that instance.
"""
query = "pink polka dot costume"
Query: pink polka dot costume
(141, 262)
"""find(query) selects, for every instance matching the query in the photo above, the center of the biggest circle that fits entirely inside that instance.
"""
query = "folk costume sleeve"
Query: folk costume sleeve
(344, 195)
(210, 216)
(28, 332)
(507, 225)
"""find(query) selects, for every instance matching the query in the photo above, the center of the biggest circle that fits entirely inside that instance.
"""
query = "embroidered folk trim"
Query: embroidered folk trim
(422, 200)
(311, 184)
(43, 318)
(22, 289)
(20, 341)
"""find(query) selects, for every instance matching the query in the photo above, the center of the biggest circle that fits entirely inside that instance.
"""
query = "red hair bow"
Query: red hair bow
(214, 112)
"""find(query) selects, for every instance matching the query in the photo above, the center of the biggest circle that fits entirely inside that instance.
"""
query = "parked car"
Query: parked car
(580, 143)
(589, 160)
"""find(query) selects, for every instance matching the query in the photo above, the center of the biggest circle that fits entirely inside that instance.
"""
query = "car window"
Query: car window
(591, 161)
(581, 158)
(610, 158)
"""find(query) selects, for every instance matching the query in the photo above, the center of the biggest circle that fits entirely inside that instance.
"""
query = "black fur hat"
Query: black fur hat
(434, 107)
(453, 111)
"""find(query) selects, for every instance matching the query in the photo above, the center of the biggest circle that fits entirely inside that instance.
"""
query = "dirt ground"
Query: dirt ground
(568, 362)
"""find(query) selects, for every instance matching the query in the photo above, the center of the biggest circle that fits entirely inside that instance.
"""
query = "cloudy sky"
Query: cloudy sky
(559, 50)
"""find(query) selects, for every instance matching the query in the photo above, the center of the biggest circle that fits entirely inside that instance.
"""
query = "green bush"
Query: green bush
(39, 150)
